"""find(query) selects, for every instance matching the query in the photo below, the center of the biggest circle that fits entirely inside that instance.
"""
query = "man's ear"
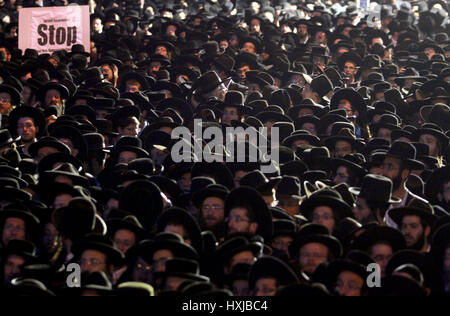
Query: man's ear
(405, 174)
(427, 231)
(253, 228)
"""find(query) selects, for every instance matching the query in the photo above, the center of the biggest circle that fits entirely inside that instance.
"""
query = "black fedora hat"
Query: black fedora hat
(434, 130)
(183, 268)
(65, 170)
(271, 267)
(376, 188)
(302, 239)
(344, 134)
(355, 99)
(407, 153)
(78, 49)
(77, 219)
(398, 214)
(182, 217)
(378, 234)
(206, 83)
(234, 99)
(243, 196)
(237, 245)
(23, 248)
(63, 91)
(290, 186)
(129, 222)
(349, 57)
(30, 220)
(258, 180)
(140, 197)
(180, 106)
(271, 116)
(13, 92)
(302, 135)
(101, 244)
(225, 62)
(326, 197)
(48, 142)
(213, 190)
(387, 121)
(25, 111)
(6, 139)
(352, 162)
(163, 241)
(96, 143)
(132, 75)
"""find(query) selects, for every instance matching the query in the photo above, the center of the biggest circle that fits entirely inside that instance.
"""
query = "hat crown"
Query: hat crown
(389, 119)
(5, 136)
(98, 278)
(67, 167)
(22, 246)
(290, 186)
(234, 98)
(254, 179)
(402, 149)
(376, 188)
(178, 265)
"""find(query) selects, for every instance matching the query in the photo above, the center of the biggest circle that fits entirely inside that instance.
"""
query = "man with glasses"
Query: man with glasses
(211, 203)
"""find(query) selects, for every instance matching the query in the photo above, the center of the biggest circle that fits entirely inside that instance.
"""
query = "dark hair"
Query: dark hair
(381, 206)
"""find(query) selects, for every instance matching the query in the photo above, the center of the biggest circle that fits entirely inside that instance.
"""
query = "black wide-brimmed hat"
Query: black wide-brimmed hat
(376, 188)
(387, 121)
(398, 214)
(407, 153)
(13, 92)
(65, 170)
(30, 220)
(378, 234)
(326, 197)
(352, 162)
(133, 76)
(142, 199)
(258, 180)
(78, 49)
(234, 99)
(206, 83)
(6, 139)
(244, 196)
(182, 217)
(237, 245)
(302, 239)
(77, 219)
(349, 57)
(434, 130)
(213, 190)
(355, 99)
(183, 268)
(101, 244)
(290, 186)
(163, 241)
(129, 222)
(302, 135)
(63, 91)
(27, 111)
(272, 267)
(344, 134)
(22, 248)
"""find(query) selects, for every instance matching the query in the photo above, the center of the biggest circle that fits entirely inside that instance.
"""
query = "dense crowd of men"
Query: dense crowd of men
(353, 101)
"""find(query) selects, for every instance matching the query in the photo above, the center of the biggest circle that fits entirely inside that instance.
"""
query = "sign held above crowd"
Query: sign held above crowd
(54, 28)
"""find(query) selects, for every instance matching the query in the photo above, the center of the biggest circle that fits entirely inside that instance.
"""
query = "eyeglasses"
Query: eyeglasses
(236, 219)
(212, 207)
(15, 228)
(143, 267)
(91, 262)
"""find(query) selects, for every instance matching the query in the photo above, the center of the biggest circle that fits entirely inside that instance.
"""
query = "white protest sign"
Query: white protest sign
(54, 28)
